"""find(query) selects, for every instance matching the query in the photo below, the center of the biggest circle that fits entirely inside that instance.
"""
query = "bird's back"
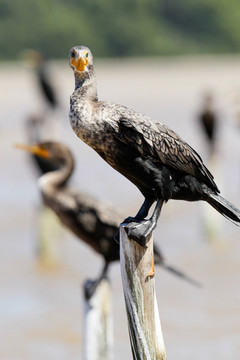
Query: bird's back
(92, 221)
(125, 133)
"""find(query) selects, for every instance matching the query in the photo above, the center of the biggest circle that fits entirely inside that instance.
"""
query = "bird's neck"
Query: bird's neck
(86, 87)
(54, 180)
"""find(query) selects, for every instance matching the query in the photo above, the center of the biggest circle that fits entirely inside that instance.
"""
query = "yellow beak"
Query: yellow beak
(80, 62)
(34, 149)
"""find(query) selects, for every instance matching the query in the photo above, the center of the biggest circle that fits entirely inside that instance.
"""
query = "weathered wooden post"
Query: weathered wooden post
(49, 231)
(140, 299)
(98, 321)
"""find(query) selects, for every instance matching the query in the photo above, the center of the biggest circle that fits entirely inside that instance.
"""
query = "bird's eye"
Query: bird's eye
(86, 55)
(73, 53)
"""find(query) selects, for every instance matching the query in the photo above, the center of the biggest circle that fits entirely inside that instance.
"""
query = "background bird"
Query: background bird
(47, 120)
(94, 222)
(33, 126)
(152, 156)
(35, 60)
(47, 229)
(208, 120)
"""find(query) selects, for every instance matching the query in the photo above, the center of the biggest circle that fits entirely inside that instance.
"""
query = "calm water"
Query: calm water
(41, 307)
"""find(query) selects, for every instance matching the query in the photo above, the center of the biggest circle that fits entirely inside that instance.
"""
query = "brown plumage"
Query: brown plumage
(208, 120)
(152, 156)
(94, 222)
(40, 65)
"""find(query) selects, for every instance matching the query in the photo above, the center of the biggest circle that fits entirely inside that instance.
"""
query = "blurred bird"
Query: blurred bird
(39, 64)
(48, 119)
(92, 221)
(152, 156)
(208, 120)
(34, 135)
(47, 228)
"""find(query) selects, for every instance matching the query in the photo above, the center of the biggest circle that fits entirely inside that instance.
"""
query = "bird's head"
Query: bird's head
(56, 154)
(80, 59)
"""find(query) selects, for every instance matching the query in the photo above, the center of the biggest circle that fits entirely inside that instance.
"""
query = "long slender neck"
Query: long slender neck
(86, 85)
(53, 180)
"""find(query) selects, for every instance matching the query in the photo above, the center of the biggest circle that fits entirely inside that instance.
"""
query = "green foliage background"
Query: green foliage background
(119, 27)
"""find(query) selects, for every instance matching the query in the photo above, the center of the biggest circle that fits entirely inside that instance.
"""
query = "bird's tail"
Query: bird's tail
(180, 274)
(225, 208)
(159, 260)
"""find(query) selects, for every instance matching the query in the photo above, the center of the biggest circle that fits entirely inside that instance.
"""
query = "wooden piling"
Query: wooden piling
(141, 305)
(98, 323)
(47, 238)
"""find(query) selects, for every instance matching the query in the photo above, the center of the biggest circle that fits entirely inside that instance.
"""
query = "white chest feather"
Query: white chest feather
(86, 125)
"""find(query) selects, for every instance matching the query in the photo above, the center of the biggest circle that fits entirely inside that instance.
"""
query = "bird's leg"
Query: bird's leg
(141, 230)
(90, 286)
(142, 213)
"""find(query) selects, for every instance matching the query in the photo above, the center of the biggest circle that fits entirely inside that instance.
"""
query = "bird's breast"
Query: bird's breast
(80, 116)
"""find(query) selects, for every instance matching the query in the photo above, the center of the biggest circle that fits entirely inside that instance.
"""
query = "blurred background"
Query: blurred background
(175, 61)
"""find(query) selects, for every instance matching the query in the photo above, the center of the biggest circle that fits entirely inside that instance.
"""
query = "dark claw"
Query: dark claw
(131, 219)
(140, 232)
(90, 287)
(117, 238)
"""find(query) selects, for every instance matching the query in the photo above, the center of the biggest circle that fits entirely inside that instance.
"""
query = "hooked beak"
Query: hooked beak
(79, 61)
(34, 149)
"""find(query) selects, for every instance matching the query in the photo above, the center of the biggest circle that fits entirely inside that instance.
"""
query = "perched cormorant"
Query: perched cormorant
(152, 156)
(208, 120)
(40, 66)
(34, 135)
(89, 219)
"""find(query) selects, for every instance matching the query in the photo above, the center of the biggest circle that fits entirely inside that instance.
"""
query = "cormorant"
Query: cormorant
(208, 120)
(92, 221)
(34, 135)
(40, 66)
(152, 156)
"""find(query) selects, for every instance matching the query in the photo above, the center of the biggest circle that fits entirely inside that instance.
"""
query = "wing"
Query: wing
(83, 207)
(106, 214)
(94, 222)
(159, 143)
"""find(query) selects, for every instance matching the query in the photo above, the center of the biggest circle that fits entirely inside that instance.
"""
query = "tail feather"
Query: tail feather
(159, 260)
(225, 208)
(180, 274)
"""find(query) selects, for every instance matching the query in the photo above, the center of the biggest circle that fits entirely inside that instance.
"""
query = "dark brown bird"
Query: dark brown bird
(34, 135)
(152, 156)
(40, 65)
(89, 219)
(208, 120)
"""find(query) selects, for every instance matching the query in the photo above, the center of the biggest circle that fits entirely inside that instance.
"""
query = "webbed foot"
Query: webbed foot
(117, 238)
(90, 287)
(140, 231)
(131, 219)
